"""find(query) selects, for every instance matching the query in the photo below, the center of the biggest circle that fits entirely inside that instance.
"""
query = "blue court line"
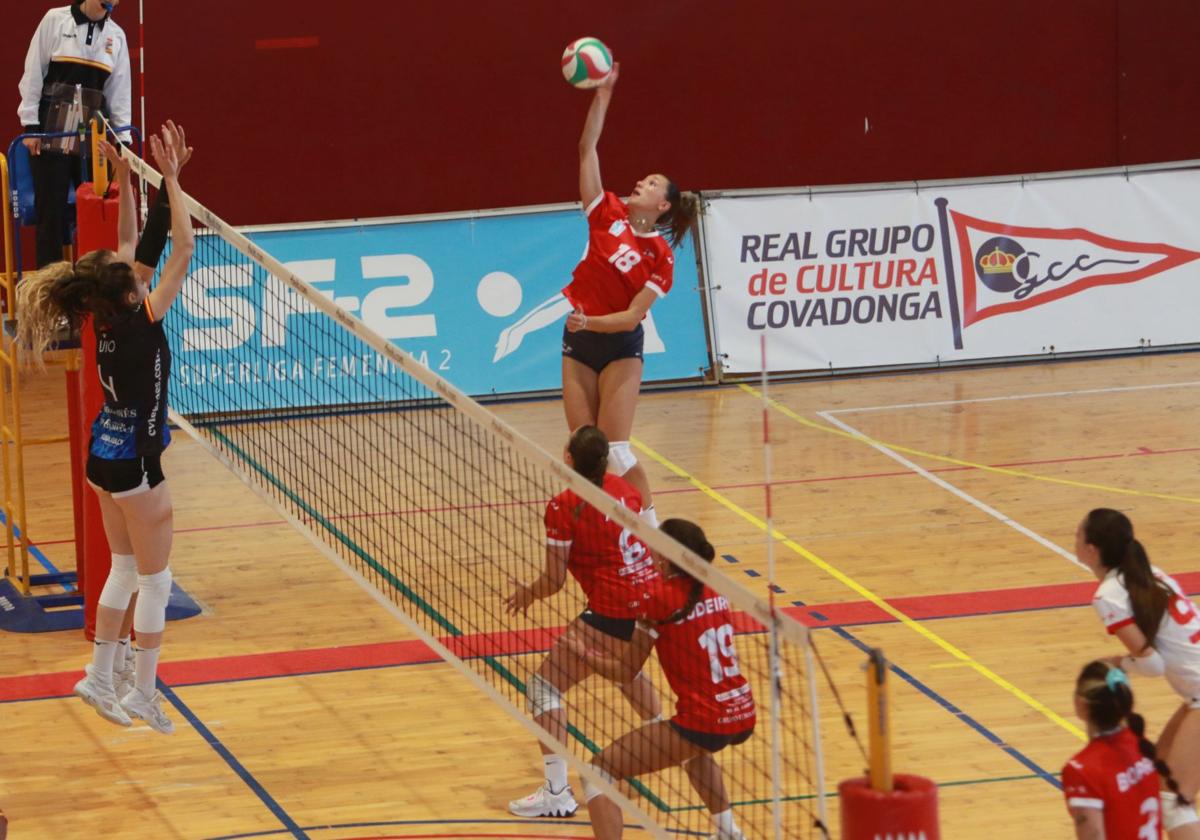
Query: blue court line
(204, 732)
(37, 553)
(511, 822)
(988, 735)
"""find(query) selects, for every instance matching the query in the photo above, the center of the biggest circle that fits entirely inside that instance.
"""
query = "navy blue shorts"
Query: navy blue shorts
(710, 741)
(618, 628)
(125, 476)
(597, 350)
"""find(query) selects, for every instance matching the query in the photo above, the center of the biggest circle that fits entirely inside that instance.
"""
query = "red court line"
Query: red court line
(1143, 452)
(305, 42)
(413, 652)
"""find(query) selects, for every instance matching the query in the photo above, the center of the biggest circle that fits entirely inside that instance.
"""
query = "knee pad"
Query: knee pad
(1175, 814)
(620, 457)
(541, 696)
(154, 591)
(590, 791)
(121, 583)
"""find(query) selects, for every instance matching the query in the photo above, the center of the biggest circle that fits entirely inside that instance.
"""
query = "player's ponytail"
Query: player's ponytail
(1106, 693)
(1111, 532)
(41, 296)
(690, 535)
(589, 453)
(680, 217)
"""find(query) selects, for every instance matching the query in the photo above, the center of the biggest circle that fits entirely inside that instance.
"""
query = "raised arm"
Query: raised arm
(589, 161)
(127, 211)
(168, 153)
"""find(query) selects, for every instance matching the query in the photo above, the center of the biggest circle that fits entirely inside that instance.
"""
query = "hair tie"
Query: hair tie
(1114, 678)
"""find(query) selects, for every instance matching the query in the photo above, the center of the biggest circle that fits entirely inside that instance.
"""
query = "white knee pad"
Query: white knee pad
(541, 696)
(620, 457)
(121, 583)
(590, 791)
(1174, 814)
(154, 591)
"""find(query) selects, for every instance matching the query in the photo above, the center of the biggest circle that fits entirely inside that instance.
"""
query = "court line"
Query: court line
(962, 494)
(1032, 396)
(229, 758)
(866, 593)
(508, 822)
(954, 710)
(858, 436)
(981, 603)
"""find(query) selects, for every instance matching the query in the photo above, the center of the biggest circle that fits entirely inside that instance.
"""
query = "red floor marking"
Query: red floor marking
(412, 652)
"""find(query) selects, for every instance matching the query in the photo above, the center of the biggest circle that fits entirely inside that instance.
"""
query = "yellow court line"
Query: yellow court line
(821, 427)
(865, 593)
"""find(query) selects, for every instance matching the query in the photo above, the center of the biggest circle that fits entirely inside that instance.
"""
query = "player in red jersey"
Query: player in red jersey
(626, 266)
(1160, 628)
(1112, 785)
(612, 567)
(693, 636)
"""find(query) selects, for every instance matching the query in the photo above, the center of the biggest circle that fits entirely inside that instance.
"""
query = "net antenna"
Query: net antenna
(444, 507)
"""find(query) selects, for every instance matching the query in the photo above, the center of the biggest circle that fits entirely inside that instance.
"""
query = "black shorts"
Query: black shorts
(710, 741)
(596, 350)
(618, 628)
(126, 476)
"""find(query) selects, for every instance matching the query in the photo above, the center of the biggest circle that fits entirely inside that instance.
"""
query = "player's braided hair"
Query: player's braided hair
(691, 536)
(589, 453)
(1111, 532)
(1105, 689)
(680, 217)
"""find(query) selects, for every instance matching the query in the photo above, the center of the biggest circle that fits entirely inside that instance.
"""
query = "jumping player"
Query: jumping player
(130, 433)
(1159, 626)
(612, 567)
(693, 637)
(626, 266)
(1112, 784)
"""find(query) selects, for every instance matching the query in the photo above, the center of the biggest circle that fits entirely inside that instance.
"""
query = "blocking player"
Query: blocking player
(1159, 626)
(626, 266)
(130, 432)
(612, 567)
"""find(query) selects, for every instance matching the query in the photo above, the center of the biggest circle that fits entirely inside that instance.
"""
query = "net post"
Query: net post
(99, 164)
(879, 725)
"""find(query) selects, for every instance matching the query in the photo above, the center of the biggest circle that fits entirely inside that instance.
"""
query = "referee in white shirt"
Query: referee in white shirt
(76, 48)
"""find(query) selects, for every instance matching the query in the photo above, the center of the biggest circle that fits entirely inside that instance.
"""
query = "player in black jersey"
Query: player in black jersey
(130, 432)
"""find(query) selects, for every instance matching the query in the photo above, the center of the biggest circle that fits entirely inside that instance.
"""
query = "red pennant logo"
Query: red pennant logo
(1008, 268)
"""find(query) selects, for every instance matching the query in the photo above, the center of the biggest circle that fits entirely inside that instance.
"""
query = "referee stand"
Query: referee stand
(884, 805)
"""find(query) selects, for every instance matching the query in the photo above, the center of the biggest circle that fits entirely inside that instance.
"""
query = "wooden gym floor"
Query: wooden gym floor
(931, 515)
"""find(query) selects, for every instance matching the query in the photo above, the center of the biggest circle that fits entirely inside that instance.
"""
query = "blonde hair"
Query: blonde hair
(38, 315)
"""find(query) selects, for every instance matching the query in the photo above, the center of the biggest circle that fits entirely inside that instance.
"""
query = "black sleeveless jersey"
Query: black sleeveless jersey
(134, 363)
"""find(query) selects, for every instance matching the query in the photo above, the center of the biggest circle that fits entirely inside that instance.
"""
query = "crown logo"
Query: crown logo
(997, 262)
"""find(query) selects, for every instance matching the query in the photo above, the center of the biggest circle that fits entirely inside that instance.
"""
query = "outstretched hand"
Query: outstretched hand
(116, 157)
(182, 150)
(610, 80)
(170, 150)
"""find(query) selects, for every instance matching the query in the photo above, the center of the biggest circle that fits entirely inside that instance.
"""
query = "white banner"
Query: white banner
(847, 280)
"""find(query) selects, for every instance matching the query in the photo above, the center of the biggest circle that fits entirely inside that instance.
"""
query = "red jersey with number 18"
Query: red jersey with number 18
(610, 563)
(1111, 775)
(696, 653)
(618, 262)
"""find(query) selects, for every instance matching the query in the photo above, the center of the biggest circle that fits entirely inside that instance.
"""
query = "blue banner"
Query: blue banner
(477, 300)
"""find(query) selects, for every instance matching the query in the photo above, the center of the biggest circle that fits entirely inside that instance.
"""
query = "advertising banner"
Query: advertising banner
(895, 277)
(475, 299)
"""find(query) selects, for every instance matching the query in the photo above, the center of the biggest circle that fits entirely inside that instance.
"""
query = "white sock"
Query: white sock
(123, 653)
(145, 670)
(556, 772)
(103, 654)
(650, 516)
(724, 823)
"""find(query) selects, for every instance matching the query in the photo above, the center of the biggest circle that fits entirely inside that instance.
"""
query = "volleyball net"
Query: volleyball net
(436, 505)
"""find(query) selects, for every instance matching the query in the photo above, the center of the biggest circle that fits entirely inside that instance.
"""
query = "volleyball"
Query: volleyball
(586, 62)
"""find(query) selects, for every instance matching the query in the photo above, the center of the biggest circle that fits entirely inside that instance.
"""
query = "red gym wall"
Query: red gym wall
(314, 110)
